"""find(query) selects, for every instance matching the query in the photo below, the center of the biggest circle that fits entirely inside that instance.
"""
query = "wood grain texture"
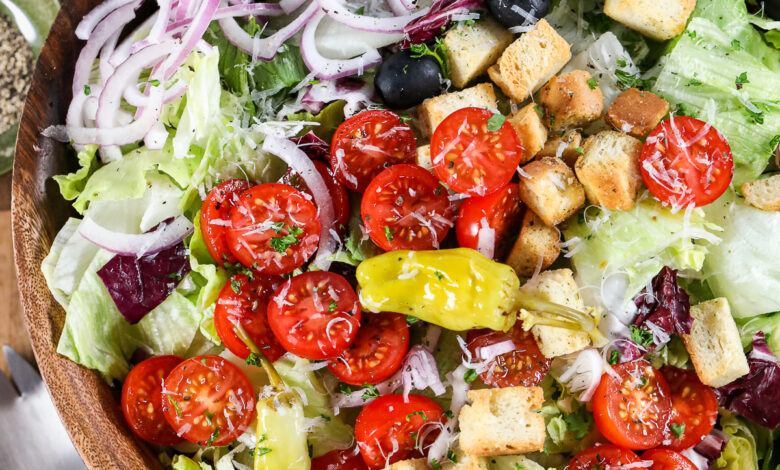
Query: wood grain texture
(89, 408)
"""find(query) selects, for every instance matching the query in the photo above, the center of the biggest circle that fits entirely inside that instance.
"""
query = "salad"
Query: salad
(462, 234)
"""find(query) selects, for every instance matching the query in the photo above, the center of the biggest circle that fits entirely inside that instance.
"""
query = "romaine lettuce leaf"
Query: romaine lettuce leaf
(635, 244)
(182, 462)
(743, 267)
(700, 78)
(72, 184)
(769, 324)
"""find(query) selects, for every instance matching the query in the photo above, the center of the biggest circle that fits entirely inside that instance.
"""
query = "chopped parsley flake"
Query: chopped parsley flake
(253, 360)
(470, 375)
(214, 436)
(412, 415)
(677, 429)
(281, 244)
(389, 233)
(236, 286)
(495, 122)
(641, 337)
(614, 357)
(592, 83)
(332, 306)
(741, 80)
(438, 275)
(208, 417)
(87, 90)
(175, 405)
(370, 392)
(438, 52)
(579, 150)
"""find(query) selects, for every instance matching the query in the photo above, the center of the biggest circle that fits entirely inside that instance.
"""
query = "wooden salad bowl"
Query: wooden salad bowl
(88, 406)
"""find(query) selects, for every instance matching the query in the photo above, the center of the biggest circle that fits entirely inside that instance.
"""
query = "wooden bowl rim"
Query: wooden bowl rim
(87, 405)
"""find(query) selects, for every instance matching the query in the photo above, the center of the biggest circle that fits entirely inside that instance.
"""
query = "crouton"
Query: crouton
(714, 344)
(571, 100)
(434, 110)
(636, 112)
(424, 157)
(537, 246)
(557, 286)
(567, 145)
(412, 464)
(530, 61)
(656, 19)
(609, 169)
(551, 190)
(501, 422)
(530, 130)
(764, 193)
(472, 48)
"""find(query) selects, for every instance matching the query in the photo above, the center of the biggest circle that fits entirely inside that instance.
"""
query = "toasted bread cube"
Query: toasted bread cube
(434, 110)
(764, 193)
(530, 130)
(557, 286)
(500, 422)
(551, 190)
(571, 100)
(567, 146)
(424, 157)
(472, 48)
(636, 112)
(609, 169)
(714, 344)
(537, 246)
(530, 61)
(656, 19)
(411, 464)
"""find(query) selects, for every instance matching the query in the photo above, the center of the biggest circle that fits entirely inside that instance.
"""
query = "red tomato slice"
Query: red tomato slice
(377, 352)
(245, 302)
(315, 315)
(347, 459)
(469, 157)
(665, 459)
(405, 208)
(633, 412)
(602, 456)
(694, 405)
(338, 193)
(389, 421)
(208, 400)
(685, 161)
(367, 143)
(525, 366)
(275, 229)
(502, 211)
(142, 400)
(215, 216)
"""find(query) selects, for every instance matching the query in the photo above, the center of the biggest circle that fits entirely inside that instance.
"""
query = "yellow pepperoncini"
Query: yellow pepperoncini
(458, 289)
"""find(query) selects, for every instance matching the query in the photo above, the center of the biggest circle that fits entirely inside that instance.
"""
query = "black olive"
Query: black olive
(506, 15)
(403, 81)
(772, 9)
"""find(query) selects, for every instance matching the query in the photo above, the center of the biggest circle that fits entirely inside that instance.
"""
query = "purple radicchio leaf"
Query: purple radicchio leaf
(138, 285)
(712, 445)
(756, 395)
(435, 22)
(661, 312)
(314, 147)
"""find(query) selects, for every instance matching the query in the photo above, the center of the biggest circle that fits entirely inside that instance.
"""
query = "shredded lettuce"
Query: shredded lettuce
(72, 184)
(182, 462)
(700, 79)
(743, 267)
(769, 324)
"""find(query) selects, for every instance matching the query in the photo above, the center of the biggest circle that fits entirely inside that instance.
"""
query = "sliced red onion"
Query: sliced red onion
(357, 94)
(419, 371)
(486, 239)
(122, 51)
(488, 353)
(99, 36)
(701, 462)
(431, 339)
(155, 35)
(584, 374)
(328, 69)
(393, 24)
(265, 48)
(713, 444)
(402, 7)
(264, 9)
(297, 159)
(126, 244)
(91, 19)
(436, 20)
(290, 6)
(194, 33)
(106, 69)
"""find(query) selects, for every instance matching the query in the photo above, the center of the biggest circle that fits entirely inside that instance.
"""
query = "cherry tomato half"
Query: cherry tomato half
(245, 302)
(338, 194)
(405, 208)
(347, 459)
(208, 400)
(684, 161)
(501, 211)
(694, 408)
(397, 429)
(215, 217)
(525, 366)
(142, 400)
(602, 456)
(377, 352)
(274, 230)
(367, 143)
(471, 158)
(665, 459)
(633, 412)
(315, 315)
